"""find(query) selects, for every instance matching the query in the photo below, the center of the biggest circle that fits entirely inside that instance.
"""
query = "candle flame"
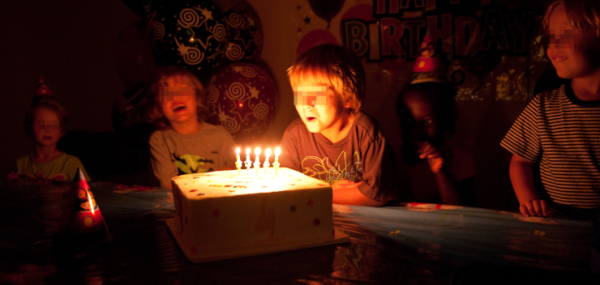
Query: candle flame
(268, 152)
(237, 151)
(90, 201)
(277, 151)
(257, 151)
(248, 151)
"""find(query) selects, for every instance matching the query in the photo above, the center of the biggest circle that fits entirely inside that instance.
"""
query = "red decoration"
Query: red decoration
(242, 98)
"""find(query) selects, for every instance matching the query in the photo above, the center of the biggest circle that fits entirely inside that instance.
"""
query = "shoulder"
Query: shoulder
(367, 125)
(295, 126)
(214, 129)
(24, 159)
(158, 134)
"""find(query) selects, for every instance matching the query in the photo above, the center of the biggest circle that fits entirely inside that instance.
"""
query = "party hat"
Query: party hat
(428, 66)
(81, 213)
(41, 92)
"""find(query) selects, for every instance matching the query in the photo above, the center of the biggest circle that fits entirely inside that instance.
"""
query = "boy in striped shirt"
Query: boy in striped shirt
(560, 130)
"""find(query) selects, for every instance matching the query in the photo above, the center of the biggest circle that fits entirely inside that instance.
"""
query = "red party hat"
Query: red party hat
(42, 89)
(81, 213)
(428, 66)
(41, 92)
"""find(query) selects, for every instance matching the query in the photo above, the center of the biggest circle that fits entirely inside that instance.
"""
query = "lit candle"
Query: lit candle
(276, 163)
(256, 160)
(248, 162)
(238, 162)
(266, 164)
(90, 202)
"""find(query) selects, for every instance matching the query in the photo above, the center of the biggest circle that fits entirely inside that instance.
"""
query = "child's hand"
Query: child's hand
(536, 208)
(433, 155)
(13, 175)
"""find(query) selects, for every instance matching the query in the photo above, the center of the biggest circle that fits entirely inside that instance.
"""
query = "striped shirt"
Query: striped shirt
(562, 133)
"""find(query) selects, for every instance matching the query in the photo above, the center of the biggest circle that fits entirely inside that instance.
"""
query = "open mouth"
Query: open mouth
(310, 119)
(179, 108)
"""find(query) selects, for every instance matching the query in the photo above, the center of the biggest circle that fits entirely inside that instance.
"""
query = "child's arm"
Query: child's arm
(446, 183)
(521, 177)
(346, 192)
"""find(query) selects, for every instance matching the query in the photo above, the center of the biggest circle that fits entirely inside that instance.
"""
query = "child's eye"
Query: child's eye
(427, 122)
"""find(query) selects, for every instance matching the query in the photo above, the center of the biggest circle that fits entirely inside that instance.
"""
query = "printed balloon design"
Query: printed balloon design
(192, 35)
(242, 98)
(245, 33)
(326, 10)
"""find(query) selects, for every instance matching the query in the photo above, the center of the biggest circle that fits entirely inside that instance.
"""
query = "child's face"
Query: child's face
(573, 52)
(318, 107)
(422, 124)
(178, 100)
(46, 127)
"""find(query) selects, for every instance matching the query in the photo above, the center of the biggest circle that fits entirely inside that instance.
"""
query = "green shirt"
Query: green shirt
(63, 167)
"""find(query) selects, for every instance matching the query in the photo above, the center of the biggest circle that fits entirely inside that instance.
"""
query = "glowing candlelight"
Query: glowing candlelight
(266, 164)
(248, 162)
(256, 160)
(276, 163)
(238, 162)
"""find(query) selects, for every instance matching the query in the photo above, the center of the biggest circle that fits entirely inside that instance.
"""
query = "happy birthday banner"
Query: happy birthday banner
(491, 48)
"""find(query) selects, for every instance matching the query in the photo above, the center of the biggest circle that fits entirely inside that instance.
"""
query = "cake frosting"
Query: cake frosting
(223, 215)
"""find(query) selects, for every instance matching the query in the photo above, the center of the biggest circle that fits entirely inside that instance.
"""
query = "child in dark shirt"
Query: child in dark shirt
(333, 140)
(441, 172)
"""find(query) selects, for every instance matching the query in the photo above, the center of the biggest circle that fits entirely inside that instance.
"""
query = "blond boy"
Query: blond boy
(333, 140)
(560, 129)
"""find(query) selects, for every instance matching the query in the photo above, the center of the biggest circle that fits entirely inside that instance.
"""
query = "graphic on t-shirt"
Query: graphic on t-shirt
(189, 163)
(343, 169)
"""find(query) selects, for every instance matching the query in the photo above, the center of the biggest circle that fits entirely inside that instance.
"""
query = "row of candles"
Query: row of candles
(248, 162)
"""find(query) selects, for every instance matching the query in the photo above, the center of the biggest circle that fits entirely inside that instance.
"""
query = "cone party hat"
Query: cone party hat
(428, 66)
(41, 92)
(81, 214)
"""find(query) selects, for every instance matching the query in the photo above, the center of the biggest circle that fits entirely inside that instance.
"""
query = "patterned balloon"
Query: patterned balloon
(192, 35)
(242, 98)
(246, 34)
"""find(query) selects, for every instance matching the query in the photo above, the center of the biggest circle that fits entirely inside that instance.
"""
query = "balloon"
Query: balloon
(242, 98)
(192, 35)
(133, 55)
(326, 10)
(245, 33)
(315, 38)
(138, 6)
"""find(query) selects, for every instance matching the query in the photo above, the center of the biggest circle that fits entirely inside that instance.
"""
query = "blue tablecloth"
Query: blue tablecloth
(407, 244)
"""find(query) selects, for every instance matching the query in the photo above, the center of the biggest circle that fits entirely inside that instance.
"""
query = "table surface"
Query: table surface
(408, 244)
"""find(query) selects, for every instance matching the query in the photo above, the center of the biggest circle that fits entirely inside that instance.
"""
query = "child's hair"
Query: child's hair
(582, 14)
(50, 104)
(335, 67)
(441, 97)
(155, 113)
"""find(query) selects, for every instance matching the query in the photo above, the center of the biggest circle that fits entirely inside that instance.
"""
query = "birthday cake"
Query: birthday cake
(221, 215)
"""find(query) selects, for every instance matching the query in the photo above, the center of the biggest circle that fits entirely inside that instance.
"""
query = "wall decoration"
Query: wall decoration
(242, 98)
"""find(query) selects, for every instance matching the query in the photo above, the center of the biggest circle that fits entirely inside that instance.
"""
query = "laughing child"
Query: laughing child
(184, 143)
(559, 131)
(333, 140)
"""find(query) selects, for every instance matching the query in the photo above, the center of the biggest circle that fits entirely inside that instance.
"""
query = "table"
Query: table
(407, 244)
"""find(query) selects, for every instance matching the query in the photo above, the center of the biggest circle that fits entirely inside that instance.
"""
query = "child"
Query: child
(333, 140)
(560, 129)
(427, 114)
(184, 143)
(45, 122)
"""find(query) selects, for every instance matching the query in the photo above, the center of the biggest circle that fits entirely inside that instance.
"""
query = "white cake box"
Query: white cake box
(222, 215)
